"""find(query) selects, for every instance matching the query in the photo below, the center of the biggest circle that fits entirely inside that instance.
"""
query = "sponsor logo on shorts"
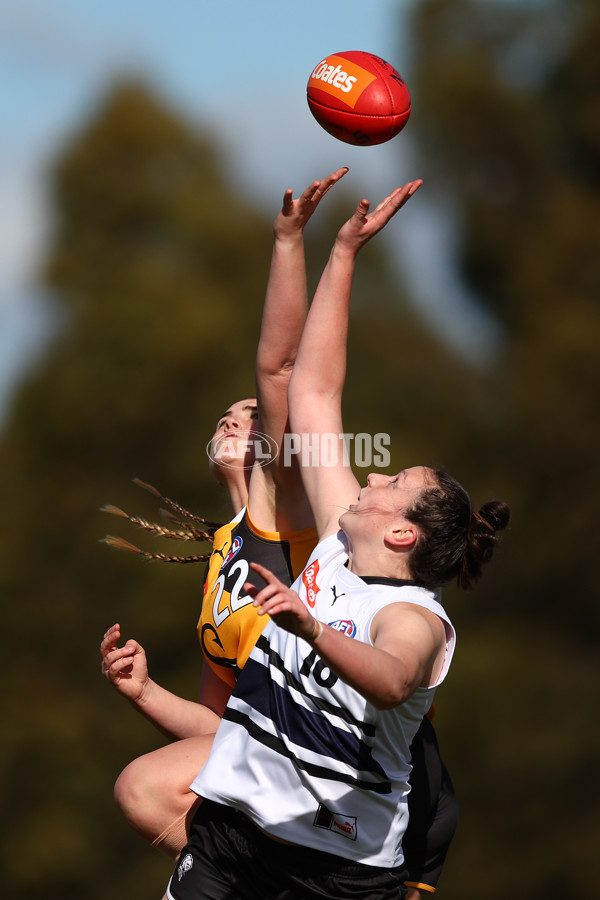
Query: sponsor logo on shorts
(336, 822)
(341, 78)
(346, 626)
(185, 865)
(309, 580)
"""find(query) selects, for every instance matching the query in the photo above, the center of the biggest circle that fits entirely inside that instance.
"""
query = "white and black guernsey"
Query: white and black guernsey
(304, 755)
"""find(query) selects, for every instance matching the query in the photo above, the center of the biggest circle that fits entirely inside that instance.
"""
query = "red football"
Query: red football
(358, 97)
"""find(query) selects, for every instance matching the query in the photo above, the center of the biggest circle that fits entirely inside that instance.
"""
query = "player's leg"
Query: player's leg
(153, 792)
(433, 812)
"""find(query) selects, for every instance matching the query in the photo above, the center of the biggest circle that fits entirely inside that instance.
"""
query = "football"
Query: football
(358, 98)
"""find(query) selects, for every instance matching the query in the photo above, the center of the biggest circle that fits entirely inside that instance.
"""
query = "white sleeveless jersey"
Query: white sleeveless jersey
(304, 755)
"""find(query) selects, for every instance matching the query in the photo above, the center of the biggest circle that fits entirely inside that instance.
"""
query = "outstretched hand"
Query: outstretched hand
(283, 605)
(364, 225)
(295, 213)
(125, 667)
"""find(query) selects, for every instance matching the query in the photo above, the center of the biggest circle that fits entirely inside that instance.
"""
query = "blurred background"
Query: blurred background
(144, 154)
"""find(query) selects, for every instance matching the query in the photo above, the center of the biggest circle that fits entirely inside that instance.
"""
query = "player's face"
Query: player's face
(232, 444)
(387, 496)
(240, 417)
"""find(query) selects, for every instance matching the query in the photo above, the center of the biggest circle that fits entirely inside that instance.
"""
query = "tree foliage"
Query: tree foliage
(518, 143)
(156, 272)
(508, 105)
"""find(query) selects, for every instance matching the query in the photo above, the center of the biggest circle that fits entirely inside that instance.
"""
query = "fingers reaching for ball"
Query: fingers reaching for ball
(295, 212)
(318, 189)
(364, 224)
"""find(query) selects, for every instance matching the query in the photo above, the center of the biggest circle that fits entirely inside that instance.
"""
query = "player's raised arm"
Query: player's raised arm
(316, 385)
(283, 319)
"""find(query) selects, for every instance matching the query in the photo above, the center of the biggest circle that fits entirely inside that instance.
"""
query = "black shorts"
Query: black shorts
(433, 811)
(228, 858)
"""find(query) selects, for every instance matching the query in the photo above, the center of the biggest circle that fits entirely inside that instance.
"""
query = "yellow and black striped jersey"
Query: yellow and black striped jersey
(229, 625)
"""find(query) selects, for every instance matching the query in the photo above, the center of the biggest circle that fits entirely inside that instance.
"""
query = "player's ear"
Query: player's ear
(403, 536)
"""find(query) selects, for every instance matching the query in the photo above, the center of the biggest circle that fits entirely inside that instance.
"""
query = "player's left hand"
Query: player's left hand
(364, 224)
(281, 603)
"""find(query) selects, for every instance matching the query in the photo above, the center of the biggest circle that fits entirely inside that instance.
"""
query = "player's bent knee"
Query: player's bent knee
(131, 793)
(149, 802)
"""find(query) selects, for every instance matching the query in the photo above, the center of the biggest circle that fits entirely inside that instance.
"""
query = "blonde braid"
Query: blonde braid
(184, 534)
(185, 531)
(176, 506)
(121, 544)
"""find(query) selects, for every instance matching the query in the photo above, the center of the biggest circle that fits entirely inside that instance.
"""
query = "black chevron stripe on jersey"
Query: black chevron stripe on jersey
(276, 662)
(277, 745)
(305, 728)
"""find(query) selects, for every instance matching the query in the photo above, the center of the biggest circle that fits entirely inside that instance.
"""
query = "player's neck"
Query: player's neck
(382, 563)
(237, 487)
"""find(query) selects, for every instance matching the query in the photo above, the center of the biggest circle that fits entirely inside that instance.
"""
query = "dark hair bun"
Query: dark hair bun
(492, 517)
(497, 513)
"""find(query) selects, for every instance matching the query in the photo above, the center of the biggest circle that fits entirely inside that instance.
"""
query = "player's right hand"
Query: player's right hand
(125, 667)
(295, 213)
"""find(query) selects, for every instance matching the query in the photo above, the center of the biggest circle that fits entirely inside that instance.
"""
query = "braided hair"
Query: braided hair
(455, 541)
(195, 528)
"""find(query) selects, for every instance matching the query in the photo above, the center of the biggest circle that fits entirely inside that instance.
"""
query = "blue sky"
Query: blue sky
(236, 67)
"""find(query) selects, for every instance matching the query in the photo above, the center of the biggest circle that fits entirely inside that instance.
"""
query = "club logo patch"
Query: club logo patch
(185, 865)
(233, 551)
(346, 826)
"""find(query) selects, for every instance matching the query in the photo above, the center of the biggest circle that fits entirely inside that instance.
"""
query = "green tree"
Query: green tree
(156, 272)
(515, 109)
(507, 105)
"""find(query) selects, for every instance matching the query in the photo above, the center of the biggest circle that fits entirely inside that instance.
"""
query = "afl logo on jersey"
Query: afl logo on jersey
(346, 626)
(309, 580)
(233, 551)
